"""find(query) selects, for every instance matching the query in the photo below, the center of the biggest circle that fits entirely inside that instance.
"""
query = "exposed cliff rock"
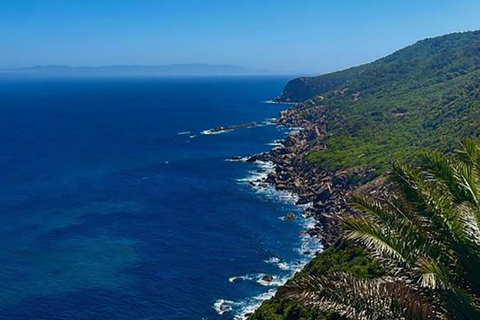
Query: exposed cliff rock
(327, 192)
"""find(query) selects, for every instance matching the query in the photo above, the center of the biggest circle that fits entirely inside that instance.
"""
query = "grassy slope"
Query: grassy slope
(426, 95)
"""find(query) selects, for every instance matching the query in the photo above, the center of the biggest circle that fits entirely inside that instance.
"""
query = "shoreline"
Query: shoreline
(266, 179)
(324, 193)
(309, 245)
(321, 196)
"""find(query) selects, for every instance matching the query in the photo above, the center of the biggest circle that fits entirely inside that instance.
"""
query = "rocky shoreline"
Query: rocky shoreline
(325, 192)
(324, 195)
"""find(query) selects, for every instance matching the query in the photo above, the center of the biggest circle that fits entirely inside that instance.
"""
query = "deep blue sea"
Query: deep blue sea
(114, 205)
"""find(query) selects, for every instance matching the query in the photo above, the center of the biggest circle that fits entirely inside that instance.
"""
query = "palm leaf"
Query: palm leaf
(364, 299)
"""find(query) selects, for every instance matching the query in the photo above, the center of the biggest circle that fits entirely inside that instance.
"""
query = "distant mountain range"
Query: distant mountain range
(134, 70)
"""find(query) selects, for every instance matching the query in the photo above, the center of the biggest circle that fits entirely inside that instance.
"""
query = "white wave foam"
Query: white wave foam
(243, 308)
(308, 243)
(260, 174)
(278, 102)
(276, 143)
(276, 281)
(273, 260)
(239, 159)
(244, 278)
(276, 261)
(268, 122)
(260, 277)
(273, 194)
(256, 179)
(184, 133)
(253, 304)
(224, 306)
(283, 266)
(209, 132)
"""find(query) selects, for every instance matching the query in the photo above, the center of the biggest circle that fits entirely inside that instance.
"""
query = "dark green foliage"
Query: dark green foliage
(425, 95)
(344, 257)
(341, 257)
(426, 233)
(284, 309)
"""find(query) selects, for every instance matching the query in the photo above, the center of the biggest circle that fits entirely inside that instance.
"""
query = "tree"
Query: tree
(426, 233)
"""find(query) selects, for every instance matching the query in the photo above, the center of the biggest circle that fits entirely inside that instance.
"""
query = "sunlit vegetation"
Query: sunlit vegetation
(422, 250)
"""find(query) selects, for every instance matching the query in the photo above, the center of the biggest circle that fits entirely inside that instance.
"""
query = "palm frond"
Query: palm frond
(369, 234)
(469, 153)
(469, 217)
(431, 274)
(364, 299)
(394, 222)
(438, 169)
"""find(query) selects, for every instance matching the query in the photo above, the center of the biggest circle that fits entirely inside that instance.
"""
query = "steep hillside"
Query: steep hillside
(426, 62)
(424, 96)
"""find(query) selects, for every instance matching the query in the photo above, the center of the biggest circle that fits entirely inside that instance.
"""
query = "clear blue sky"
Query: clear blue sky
(299, 36)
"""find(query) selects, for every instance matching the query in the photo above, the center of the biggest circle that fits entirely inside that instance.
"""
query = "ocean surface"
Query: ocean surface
(114, 205)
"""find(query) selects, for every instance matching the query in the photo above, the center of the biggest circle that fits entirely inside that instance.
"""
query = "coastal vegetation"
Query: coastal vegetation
(426, 234)
(421, 256)
(416, 232)
(340, 257)
(422, 96)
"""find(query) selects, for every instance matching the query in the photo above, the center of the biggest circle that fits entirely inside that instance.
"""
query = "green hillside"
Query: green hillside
(428, 61)
(426, 95)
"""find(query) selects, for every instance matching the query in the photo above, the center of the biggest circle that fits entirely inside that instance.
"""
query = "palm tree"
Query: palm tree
(427, 235)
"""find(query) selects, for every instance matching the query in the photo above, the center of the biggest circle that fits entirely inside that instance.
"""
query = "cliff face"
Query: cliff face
(304, 88)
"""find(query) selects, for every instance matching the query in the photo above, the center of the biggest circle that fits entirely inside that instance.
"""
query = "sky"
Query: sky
(285, 36)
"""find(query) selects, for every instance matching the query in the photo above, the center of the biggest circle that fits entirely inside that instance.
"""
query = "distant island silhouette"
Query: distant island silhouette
(134, 70)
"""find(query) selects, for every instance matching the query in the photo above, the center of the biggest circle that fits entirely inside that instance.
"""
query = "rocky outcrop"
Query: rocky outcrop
(301, 89)
(325, 193)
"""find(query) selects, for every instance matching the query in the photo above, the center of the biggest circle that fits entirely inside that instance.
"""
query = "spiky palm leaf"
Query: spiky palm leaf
(364, 299)
(427, 234)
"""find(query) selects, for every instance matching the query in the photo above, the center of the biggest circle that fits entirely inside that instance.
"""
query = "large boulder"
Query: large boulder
(323, 195)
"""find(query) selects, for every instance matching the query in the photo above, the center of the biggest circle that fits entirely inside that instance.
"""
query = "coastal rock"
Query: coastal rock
(268, 278)
(236, 158)
(289, 216)
(281, 186)
(302, 200)
(271, 178)
(329, 191)
(224, 308)
(323, 195)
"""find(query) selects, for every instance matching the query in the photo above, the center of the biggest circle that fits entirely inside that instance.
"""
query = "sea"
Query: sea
(119, 201)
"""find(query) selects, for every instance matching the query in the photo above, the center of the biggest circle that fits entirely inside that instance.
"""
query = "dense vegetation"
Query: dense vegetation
(426, 233)
(421, 96)
(341, 257)
(424, 96)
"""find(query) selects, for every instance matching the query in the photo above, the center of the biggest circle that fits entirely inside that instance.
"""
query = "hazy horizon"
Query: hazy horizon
(283, 36)
(137, 70)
